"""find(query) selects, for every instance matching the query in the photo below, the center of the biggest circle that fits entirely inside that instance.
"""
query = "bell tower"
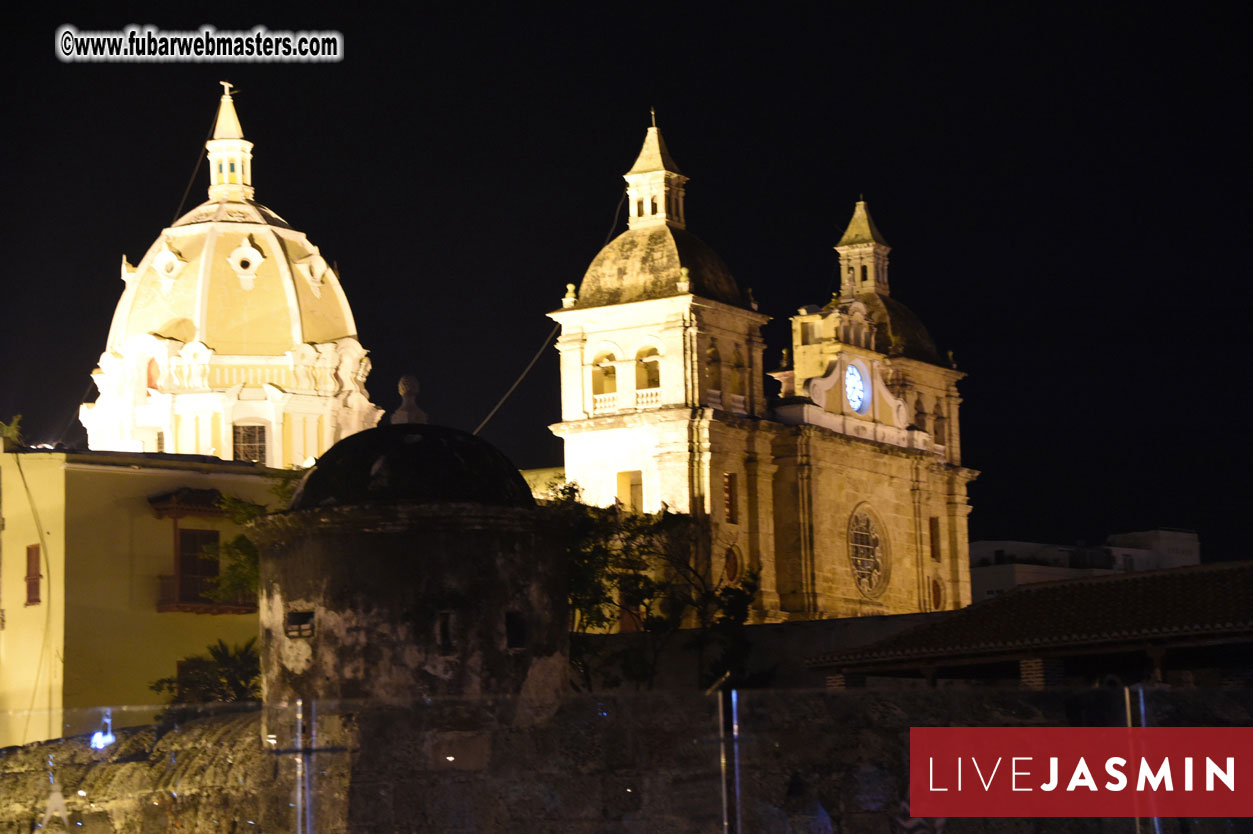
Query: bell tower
(863, 255)
(662, 385)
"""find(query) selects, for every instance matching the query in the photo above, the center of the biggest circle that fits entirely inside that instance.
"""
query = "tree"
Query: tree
(649, 575)
(226, 674)
(12, 430)
(240, 562)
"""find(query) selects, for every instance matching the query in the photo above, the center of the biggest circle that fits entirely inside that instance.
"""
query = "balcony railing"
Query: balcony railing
(604, 402)
(189, 594)
(647, 397)
(734, 403)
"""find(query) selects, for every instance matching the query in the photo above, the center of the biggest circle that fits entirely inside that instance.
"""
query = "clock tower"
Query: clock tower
(848, 498)
(870, 493)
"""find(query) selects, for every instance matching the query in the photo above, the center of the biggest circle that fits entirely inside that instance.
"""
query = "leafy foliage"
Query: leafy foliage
(239, 561)
(226, 674)
(649, 575)
(12, 430)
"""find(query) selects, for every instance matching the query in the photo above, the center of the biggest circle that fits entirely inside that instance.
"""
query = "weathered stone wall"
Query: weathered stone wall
(376, 581)
(210, 775)
(809, 762)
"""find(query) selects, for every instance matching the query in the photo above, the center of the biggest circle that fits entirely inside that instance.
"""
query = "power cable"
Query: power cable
(195, 171)
(47, 560)
(552, 335)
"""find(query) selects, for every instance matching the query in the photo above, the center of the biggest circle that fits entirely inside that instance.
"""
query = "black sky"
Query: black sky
(1065, 190)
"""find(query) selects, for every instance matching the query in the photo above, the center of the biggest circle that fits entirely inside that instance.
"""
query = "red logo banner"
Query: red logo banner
(1081, 771)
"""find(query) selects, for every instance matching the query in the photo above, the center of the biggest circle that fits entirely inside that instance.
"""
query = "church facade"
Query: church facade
(848, 498)
(233, 336)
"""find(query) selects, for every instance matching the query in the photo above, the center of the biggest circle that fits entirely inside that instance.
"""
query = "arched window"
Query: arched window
(735, 381)
(639, 208)
(154, 374)
(731, 565)
(940, 430)
(604, 375)
(713, 364)
(920, 414)
(647, 369)
(865, 273)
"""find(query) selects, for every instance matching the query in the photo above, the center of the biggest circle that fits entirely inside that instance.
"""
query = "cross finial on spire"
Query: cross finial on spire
(652, 111)
(226, 88)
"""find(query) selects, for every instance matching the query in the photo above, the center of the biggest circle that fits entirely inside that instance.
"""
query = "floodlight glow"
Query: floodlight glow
(101, 739)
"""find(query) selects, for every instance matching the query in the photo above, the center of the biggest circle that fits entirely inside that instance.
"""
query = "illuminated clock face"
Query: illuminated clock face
(854, 387)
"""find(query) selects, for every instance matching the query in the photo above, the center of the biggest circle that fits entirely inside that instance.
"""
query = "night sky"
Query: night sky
(1065, 191)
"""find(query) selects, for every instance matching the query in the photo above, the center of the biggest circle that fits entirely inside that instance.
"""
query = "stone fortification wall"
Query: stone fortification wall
(809, 762)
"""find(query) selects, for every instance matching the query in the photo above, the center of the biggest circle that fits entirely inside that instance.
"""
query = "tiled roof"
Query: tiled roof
(1202, 601)
(188, 501)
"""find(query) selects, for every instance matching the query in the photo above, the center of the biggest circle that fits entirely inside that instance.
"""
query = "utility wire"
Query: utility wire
(69, 422)
(195, 171)
(47, 603)
(552, 335)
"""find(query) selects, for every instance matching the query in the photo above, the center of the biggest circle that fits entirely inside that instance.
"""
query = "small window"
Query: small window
(731, 567)
(937, 553)
(639, 208)
(735, 375)
(731, 497)
(647, 369)
(443, 632)
(604, 374)
(865, 273)
(33, 576)
(299, 624)
(630, 605)
(654, 202)
(631, 490)
(219, 168)
(250, 443)
(713, 364)
(515, 630)
(232, 167)
(160, 441)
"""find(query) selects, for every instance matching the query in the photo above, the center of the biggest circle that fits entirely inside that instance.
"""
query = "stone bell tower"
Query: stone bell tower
(661, 375)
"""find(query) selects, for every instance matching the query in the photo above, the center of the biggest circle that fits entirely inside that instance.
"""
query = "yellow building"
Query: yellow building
(233, 336)
(102, 581)
(848, 498)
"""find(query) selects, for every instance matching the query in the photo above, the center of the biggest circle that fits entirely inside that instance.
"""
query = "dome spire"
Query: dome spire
(863, 255)
(654, 185)
(230, 154)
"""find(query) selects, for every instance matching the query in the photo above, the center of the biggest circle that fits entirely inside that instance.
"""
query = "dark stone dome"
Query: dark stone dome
(900, 332)
(644, 263)
(412, 463)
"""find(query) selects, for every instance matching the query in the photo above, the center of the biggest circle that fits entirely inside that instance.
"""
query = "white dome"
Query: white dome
(231, 319)
(236, 277)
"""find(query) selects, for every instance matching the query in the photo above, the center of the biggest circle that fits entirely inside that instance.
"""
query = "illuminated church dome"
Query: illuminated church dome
(233, 336)
(656, 256)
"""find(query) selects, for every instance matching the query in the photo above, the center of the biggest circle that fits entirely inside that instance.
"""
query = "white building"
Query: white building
(996, 566)
(233, 336)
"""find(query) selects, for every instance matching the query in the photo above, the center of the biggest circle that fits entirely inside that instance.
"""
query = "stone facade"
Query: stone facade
(848, 498)
(413, 562)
